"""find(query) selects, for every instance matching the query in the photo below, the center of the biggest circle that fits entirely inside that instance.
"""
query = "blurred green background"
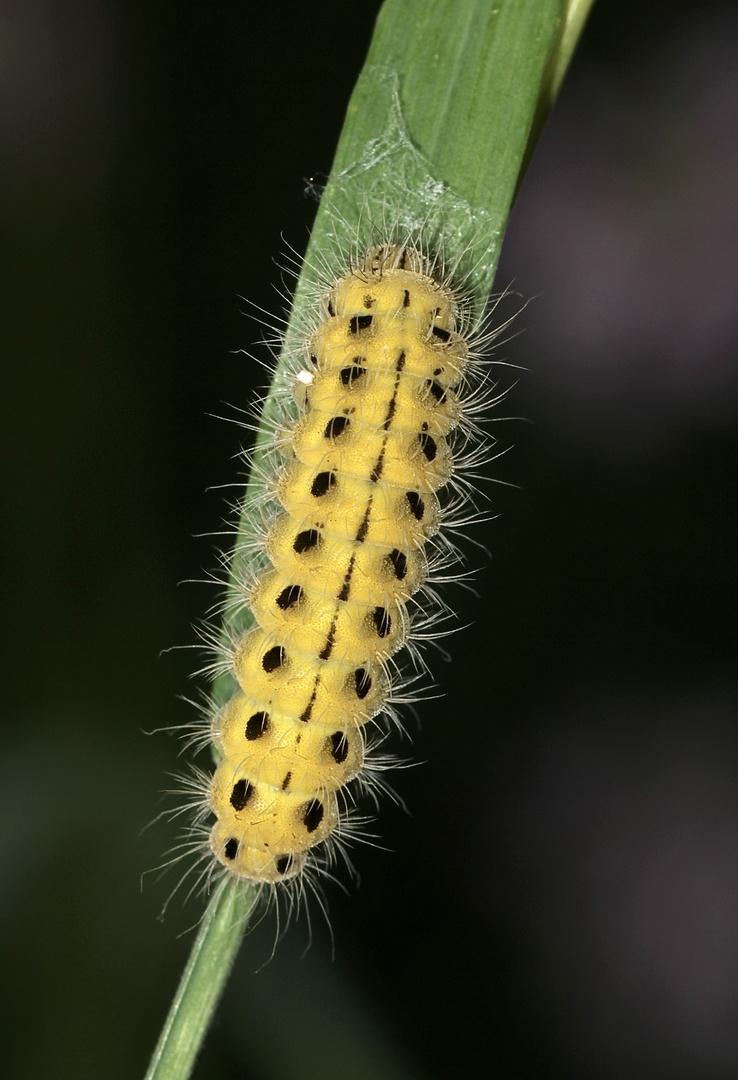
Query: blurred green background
(562, 899)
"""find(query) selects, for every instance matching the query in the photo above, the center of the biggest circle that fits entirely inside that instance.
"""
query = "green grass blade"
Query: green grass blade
(437, 135)
(202, 982)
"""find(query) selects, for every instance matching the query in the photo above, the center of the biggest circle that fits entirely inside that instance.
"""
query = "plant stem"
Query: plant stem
(203, 979)
(437, 136)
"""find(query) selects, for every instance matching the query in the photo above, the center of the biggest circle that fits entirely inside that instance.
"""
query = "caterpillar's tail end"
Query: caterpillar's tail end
(253, 864)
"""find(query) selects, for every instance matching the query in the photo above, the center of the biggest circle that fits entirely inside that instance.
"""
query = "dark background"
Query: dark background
(562, 899)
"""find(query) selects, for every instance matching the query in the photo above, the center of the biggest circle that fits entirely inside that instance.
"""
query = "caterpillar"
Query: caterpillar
(381, 401)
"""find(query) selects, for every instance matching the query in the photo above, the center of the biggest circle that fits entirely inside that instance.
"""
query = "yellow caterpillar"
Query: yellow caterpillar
(363, 463)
